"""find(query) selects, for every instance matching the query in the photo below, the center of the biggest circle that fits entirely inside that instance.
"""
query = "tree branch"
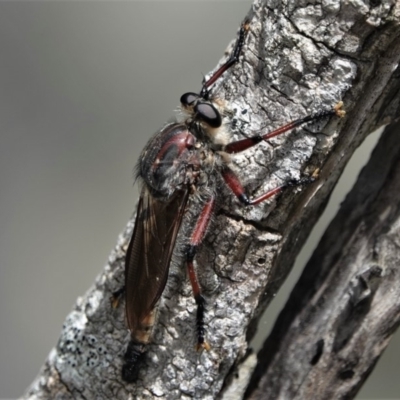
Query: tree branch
(346, 305)
(297, 60)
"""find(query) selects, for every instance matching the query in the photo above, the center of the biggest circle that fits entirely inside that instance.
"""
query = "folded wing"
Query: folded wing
(149, 252)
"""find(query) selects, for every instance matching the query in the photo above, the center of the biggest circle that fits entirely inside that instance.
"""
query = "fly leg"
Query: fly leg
(244, 144)
(234, 184)
(233, 59)
(235, 147)
(116, 296)
(195, 240)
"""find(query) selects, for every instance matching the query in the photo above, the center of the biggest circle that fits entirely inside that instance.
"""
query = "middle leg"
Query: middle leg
(237, 188)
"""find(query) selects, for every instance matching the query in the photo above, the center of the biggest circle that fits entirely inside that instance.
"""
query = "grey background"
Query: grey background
(83, 85)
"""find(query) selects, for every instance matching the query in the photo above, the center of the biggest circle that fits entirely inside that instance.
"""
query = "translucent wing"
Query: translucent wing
(149, 252)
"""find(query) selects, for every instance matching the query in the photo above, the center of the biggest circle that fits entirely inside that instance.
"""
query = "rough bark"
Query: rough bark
(346, 305)
(298, 58)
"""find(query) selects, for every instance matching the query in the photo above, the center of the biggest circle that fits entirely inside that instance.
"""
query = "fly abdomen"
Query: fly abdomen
(135, 353)
(133, 358)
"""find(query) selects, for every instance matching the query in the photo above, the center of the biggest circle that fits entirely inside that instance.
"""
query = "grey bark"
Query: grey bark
(346, 305)
(299, 58)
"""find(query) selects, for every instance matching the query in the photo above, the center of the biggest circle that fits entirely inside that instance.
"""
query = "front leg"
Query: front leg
(244, 144)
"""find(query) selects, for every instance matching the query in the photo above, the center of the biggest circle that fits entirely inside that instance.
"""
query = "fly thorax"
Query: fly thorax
(166, 159)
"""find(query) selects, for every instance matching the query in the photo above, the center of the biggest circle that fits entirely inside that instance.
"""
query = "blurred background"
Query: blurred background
(83, 85)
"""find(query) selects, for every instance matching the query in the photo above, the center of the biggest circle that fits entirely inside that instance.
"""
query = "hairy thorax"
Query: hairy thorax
(175, 159)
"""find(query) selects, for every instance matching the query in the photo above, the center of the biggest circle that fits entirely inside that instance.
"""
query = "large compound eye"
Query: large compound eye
(188, 99)
(209, 114)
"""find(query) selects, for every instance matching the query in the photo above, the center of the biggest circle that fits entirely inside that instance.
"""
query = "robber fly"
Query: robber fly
(183, 165)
